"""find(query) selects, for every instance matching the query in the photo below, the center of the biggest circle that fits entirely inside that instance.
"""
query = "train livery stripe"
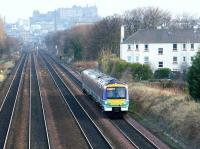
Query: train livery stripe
(116, 102)
(116, 85)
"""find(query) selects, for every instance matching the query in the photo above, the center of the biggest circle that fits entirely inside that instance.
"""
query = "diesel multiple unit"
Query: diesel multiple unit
(111, 94)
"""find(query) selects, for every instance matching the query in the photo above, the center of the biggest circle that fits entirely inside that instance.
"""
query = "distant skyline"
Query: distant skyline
(15, 9)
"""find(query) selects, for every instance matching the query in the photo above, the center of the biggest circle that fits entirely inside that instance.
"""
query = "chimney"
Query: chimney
(122, 33)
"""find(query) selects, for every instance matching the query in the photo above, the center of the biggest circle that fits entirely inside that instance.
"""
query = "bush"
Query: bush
(162, 73)
(115, 67)
(147, 72)
(119, 66)
(193, 78)
(141, 72)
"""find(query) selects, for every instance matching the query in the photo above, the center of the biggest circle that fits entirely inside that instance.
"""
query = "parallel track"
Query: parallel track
(38, 134)
(8, 105)
(91, 132)
(134, 136)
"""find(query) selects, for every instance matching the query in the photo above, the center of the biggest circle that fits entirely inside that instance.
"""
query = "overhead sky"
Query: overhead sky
(14, 9)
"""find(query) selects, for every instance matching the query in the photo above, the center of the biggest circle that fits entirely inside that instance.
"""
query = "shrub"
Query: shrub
(162, 73)
(140, 72)
(193, 78)
(115, 67)
(147, 72)
(119, 66)
(105, 65)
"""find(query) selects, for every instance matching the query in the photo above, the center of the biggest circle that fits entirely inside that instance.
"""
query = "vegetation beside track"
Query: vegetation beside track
(167, 112)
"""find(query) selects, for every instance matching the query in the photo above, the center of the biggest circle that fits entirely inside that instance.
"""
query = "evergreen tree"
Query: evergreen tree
(193, 78)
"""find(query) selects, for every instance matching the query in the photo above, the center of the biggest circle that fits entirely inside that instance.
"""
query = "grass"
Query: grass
(171, 115)
(81, 65)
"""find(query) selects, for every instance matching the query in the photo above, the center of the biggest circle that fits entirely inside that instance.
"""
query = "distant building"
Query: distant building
(161, 48)
(64, 18)
(88, 14)
(37, 26)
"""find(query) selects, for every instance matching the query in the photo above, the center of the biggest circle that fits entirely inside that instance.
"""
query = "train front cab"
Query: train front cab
(115, 98)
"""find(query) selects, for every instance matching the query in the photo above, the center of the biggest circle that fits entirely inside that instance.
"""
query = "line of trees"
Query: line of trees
(88, 41)
(7, 44)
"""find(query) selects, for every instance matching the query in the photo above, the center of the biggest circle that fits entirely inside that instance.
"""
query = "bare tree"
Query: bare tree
(184, 21)
(142, 18)
(105, 35)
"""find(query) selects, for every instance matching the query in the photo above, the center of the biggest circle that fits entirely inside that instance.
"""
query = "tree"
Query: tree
(2, 38)
(105, 36)
(184, 21)
(145, 18)
(193, 78)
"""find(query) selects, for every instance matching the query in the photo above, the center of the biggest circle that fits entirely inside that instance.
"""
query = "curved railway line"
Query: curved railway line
(90, 130)
(8, 105)
(38, 132)
(137, 138)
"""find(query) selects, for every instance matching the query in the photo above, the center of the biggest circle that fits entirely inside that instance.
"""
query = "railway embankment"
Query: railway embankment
(167, 112)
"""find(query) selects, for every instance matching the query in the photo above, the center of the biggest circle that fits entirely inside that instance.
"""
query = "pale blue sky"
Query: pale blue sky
(14, 9)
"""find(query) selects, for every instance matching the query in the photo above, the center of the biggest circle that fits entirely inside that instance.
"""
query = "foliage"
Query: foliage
(193, 78)
(141, 71)
(119, 66)
(145, 18)
(162, 73)
(115, 67)
(105, 36)
(87, 41)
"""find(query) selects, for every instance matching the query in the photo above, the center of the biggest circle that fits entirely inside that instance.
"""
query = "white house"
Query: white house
(161, 48)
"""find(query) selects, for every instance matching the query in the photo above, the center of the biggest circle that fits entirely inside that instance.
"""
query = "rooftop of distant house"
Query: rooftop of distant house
(164, 36)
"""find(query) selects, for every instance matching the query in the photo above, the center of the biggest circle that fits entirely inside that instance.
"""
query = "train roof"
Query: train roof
(100, 77)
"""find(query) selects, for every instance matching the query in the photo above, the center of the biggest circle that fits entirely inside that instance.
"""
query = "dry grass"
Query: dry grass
(81, 65)
(175, 112)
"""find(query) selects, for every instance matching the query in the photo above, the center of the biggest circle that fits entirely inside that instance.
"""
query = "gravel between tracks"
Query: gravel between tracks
(63, 130)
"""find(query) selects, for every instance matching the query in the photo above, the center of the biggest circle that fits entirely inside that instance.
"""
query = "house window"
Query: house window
(175, 60)
(160, 64)
(129, 58)
(146, 60)
(160, 51)
(192, 46)
(175, 47)
(184, 59)
(129, 47)
(146, 47)
(184, 46)
(137, 47)
(137, 58)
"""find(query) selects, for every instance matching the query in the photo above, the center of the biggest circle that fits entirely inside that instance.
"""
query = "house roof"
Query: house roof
(164, 36)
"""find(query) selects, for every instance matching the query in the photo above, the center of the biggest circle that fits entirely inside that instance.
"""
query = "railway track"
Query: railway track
(38, 134)
(90, 130)
(132, 135)
(8, 105)
(138, 139)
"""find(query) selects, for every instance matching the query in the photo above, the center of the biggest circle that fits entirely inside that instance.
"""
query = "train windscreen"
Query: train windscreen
(116, 92)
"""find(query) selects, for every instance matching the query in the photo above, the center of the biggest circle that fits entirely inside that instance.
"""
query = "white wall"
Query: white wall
(154, 57)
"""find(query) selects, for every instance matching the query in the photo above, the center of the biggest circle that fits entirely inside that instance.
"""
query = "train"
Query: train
(111, 94)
